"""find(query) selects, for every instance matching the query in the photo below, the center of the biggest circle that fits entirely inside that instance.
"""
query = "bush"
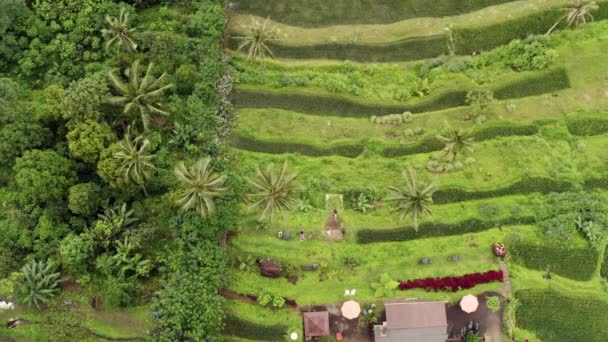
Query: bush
(247, 329)
(84, 199)
(587, 122)
(528, 55)
(346, 149)
(430, 229)
(524, 186)
(575, 263)
(532, 84)
(489, 210)
(454, 284)
(553, 316)
(493, 303)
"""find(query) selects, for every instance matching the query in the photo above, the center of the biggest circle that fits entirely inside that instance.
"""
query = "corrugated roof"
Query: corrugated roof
(409, 314)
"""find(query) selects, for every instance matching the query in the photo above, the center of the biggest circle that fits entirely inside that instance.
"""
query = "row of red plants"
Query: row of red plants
(466, 281)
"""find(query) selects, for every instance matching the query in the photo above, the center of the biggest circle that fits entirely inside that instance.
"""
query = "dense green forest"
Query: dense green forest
(99, 102)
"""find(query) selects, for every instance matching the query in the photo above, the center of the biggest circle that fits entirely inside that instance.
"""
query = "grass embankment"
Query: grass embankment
(558, 316)
(417, 38)
(499, 163)
(323, 13)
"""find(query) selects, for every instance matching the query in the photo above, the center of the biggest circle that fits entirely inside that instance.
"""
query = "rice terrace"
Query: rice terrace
(304, 170)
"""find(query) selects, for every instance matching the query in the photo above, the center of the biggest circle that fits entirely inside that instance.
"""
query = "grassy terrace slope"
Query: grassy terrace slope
(325, 13)
(417, 38)
(447, 94)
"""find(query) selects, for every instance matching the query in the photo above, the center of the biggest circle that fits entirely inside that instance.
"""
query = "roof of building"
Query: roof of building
(316, 323)
(408, 314)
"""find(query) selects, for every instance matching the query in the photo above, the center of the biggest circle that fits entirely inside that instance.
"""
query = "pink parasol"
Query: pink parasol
(469, 303)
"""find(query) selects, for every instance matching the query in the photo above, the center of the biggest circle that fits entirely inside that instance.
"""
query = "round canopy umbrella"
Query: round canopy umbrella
(469, 303)
(351, 309)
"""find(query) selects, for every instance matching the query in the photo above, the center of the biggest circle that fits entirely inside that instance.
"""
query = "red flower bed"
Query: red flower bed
(466, 281)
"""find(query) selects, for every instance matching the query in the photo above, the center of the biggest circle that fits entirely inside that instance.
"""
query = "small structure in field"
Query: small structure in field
(333, 226)
(413, 320)
(316, 324)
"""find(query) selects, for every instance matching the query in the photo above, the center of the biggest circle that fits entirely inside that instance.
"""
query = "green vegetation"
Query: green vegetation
(556, 316)
(126, 194)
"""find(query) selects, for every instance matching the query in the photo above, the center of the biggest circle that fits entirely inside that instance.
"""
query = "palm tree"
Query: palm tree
(273, 192)
(578, 14)
(39, 283)
(412, 199)
(258, 35)
(136, 162)
(119, 214)
(119, 33)
(139, 94)
(456, 142)
(201, 186)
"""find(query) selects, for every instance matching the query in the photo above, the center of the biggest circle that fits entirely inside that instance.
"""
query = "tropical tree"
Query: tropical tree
(273, 192)
(258, 35)
(456, 141)
(139, 94)
(413, 198)
(39, 283)
(578, 14)
(119, 214)
(136, 163)
(200, 186)
(119, 34)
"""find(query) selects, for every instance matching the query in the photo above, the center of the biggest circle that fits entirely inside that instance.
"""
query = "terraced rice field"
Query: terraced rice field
(536, 140)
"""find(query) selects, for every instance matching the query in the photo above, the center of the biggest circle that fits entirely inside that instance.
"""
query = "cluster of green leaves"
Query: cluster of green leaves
(563, 216)
(189, 306)
(266, 297)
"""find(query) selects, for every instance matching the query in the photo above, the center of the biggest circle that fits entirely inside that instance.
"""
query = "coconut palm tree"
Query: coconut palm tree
(578, 14)
(200, 186)
(119, 34)
(139, 94)
(258, 35)
(273, 192)
(456, 141)
(136, 163)
(39, 283)
(412, 199)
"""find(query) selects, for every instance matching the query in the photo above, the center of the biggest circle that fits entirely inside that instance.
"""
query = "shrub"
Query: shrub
(553, 316)
(533, 55)
(431, 229)
(489, 210)
(575, 263)
(587, 122)
(454, 284)
(392, 119)
(345, 149)
(493, 303)
(526, 185)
